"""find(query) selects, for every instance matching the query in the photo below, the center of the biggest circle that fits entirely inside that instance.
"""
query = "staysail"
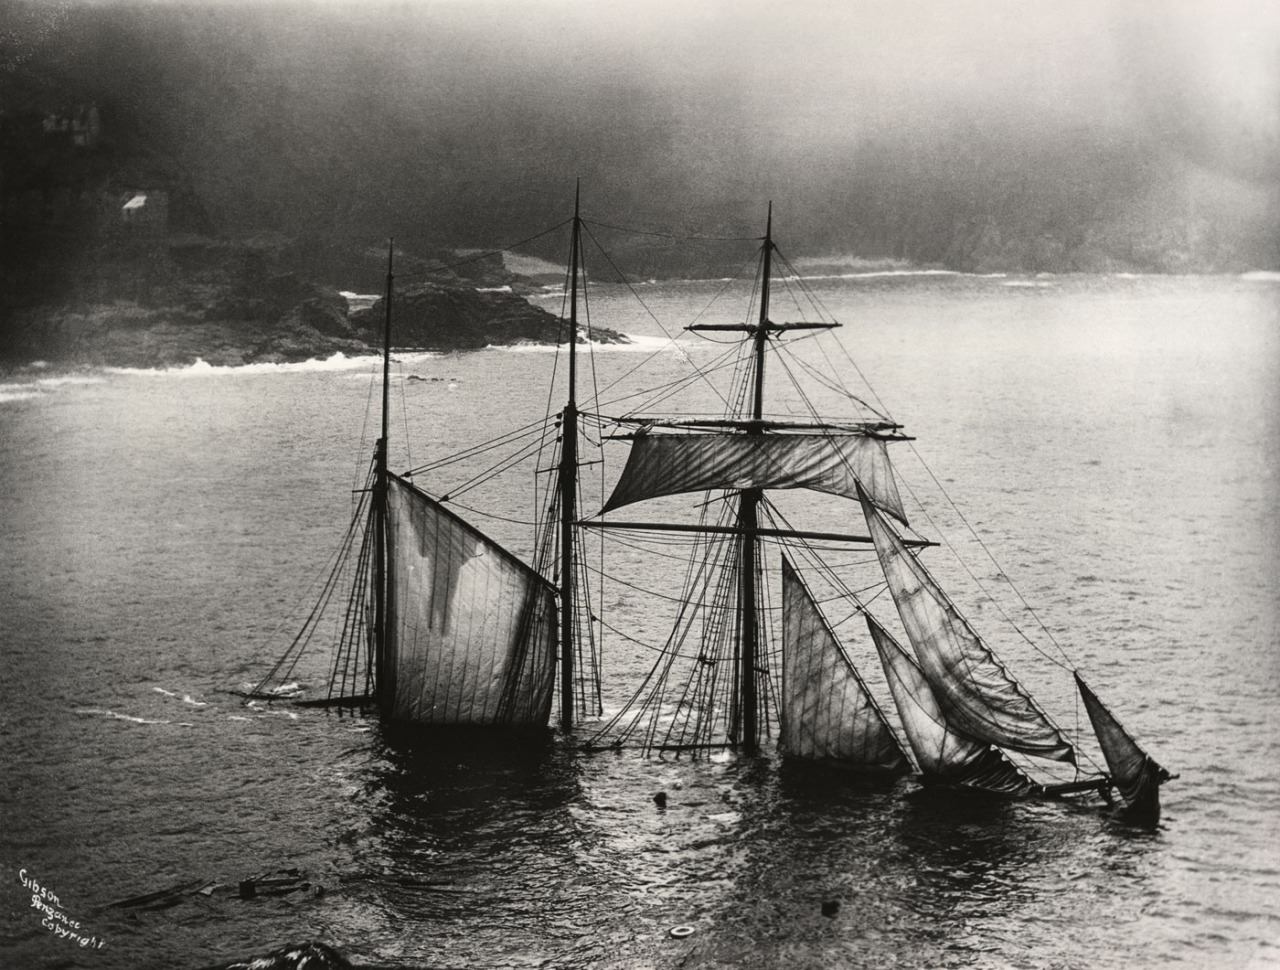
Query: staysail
(670, 464)
(942, 751)
(827, 710)
(470, 636)
(975, 691)
(1136, 774)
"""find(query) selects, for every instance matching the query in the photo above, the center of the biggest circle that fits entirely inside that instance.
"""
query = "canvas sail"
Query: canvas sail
(827, 709)
(1136, 775)
(470, 635)
(975, 691)
(942, 751)
(670, 464)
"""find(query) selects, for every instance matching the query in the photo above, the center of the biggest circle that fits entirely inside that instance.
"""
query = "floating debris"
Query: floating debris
(279, 882)
(294, 956)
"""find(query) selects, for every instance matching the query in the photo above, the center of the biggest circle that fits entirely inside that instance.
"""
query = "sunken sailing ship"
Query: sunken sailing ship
(444, 627)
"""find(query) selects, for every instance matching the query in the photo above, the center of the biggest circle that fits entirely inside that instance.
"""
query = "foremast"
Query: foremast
(568, 482)
(383, 687)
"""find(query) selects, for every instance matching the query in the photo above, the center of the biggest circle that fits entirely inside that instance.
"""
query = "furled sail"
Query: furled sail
(941, 751)
(669, 464)
(471, 630)
(975, 691)
(827, 710)
(1136, 774)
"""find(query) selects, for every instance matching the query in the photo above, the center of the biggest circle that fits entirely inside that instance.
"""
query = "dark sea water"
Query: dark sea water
(1113, 440)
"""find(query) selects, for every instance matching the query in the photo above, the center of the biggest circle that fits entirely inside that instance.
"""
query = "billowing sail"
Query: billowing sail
(975, 691)
(669, 464)
(470, 633)
(941, 751)
(827, 710)
(1136, 775)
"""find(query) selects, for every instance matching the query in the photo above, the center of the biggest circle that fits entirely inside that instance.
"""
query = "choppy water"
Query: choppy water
(1114, 439)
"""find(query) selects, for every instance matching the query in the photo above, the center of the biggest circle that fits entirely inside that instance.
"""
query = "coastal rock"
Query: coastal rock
(231, 311)
(434, 316)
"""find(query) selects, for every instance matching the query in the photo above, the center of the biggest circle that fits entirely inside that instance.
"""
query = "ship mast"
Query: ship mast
(745, 718)
(568, 482)
(381, 667)
(748, 522)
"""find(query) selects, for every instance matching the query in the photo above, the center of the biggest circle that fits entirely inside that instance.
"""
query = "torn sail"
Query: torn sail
(470, 635)
(974, 690)
(829, 713)
(943, 752)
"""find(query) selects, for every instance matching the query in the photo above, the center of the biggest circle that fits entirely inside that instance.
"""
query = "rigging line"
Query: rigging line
(649, 695)
(509, 439)
(524, 454)
(425, 273)
(629, 638)
(663, 392)
(1066, 662)
(669, 597)
(491, 515)
(881, 408)
(725, 359)
(674, 237)
(830, 384)
(404, 411)
(364, 430)
(738, 277)
(627, 282)
(303, 638)
(505, 438)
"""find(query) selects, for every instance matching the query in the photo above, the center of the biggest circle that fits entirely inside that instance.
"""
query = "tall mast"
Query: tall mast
(383, 685)
(569, 482)
(748, 522)
(745, 716)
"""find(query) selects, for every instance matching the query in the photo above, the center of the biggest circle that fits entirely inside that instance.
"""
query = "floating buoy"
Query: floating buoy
(680, 932)
(660, 799)
(830, 907)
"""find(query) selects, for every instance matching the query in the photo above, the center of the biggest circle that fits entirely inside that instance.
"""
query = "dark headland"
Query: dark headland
(167, 301)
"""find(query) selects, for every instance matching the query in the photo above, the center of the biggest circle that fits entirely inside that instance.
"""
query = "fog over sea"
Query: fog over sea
(1114, 440)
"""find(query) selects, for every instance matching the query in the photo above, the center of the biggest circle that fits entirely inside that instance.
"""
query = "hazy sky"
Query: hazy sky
(1203, 71)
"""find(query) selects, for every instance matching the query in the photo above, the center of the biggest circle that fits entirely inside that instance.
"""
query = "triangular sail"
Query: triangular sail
(827, 709)
(670, 464)
(470, 633)
(941, 751)
(975, 691)
(1136, 774)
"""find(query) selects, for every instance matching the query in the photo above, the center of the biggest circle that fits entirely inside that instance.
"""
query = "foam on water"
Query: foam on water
(637, 343)
(201, 369)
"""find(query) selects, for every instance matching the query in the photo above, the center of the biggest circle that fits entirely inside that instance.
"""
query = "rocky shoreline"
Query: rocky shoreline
(235, 313)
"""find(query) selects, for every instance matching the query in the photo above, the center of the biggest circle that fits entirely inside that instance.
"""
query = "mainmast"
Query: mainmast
(568, 482)
(383, 685)
(748, 522)
(746, 716)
